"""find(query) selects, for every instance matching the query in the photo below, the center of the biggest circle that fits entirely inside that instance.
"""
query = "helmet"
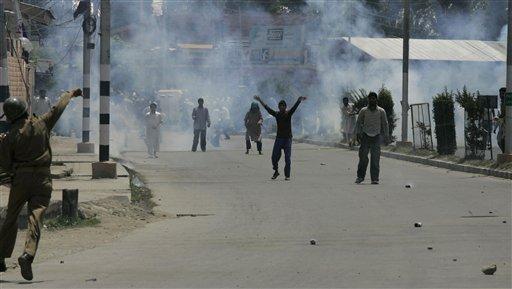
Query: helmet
(14, 108)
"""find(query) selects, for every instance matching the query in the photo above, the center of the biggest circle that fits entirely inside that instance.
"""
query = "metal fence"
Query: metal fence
(421, 126)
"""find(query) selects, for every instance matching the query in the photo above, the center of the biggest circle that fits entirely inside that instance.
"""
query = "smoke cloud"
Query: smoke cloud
(191, 49)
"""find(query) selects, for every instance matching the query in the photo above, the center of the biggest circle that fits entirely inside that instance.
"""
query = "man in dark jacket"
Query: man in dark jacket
(284, 135)
(25, 152)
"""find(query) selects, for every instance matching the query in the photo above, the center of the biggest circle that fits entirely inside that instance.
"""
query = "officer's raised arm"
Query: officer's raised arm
(51, 117)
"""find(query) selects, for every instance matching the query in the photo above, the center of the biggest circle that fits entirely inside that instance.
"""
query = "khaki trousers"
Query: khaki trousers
(32, 186)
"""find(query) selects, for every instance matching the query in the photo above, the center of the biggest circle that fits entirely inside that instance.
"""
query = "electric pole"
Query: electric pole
(4, 69)
(85, 146)
(104, 168)
(105, 81)
(507, 156)
(405, 73)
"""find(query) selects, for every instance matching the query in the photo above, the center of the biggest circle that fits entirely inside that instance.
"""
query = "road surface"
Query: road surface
(253, 232)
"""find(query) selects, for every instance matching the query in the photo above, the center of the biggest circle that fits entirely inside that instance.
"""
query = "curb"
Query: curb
(422, 160)
(53, 211)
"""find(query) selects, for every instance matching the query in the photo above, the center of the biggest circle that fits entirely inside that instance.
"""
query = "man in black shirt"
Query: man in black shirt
(284, 134)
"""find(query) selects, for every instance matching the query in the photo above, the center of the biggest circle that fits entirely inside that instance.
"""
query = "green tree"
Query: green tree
(444, 119)
(385, 100)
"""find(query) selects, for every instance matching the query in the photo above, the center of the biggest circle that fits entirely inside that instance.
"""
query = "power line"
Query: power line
(69, 49)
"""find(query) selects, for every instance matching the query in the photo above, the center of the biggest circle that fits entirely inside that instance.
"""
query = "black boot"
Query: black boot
(25, 262)
(3, 268)
(247, 152)
(276, 174)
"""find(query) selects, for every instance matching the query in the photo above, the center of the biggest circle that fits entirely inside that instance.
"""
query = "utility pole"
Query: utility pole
(241, 79)
(86, 146)
(104, 168)
(4, 69)
(105, 81)
(507, 156)
(405, 74)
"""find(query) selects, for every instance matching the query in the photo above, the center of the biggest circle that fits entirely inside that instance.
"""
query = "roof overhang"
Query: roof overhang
(31, 12)
(430, 49)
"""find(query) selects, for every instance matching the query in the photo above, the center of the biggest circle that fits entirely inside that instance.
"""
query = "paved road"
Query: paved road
(256, 232)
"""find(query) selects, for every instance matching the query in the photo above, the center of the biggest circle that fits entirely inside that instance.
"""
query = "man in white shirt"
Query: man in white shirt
(348, 117)
(372, 125)
(153, 120)
(201, 118)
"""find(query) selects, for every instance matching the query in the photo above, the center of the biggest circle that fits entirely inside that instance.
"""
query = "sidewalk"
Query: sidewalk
(71, 170)
(425, 160)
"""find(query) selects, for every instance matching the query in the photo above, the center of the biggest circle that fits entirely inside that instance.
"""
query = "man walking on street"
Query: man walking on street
(284, 135)
(372, 125)
(25, 152)
(153, 120)
(201, 119)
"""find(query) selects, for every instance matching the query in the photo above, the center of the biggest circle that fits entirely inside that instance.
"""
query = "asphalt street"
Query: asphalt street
(241, 229)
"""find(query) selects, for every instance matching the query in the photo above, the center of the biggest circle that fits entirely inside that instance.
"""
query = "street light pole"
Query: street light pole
(405, 73)
(507, 155)
(4, 69)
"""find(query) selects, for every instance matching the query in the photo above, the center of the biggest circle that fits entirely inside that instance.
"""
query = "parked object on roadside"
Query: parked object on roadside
(418, 225)
(41, 103)
(25, 151)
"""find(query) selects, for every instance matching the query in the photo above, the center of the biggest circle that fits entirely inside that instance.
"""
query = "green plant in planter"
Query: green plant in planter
(359, 98)
(474, 134)
(385, 100)
(444, 118)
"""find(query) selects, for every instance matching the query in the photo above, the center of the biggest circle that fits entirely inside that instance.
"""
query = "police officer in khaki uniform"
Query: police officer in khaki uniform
(25, 152)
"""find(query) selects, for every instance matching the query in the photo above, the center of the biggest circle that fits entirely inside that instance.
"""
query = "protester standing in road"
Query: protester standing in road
(371, 128)
(25, 152)
(348, 117)
(201, 118)
(154, 120)
(253, 122)
(284, 135)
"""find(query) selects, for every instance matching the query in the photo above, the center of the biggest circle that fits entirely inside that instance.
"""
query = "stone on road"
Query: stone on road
(250, 231)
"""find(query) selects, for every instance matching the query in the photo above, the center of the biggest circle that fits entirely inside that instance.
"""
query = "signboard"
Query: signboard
(277, 44)
(508, 99)
(488, 101)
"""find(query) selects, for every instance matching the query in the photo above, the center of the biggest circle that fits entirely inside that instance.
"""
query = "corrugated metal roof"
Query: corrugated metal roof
(195, 46)
(432, 49)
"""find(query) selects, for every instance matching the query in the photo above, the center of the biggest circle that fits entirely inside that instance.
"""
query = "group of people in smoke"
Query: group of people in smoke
(371, 129)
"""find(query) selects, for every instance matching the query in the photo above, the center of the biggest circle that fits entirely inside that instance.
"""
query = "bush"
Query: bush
(444, 118)
(385, 100)
(474, 134)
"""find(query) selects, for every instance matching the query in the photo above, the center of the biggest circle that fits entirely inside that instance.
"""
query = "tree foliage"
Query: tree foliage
(385, 100)
(444, 119)
(474, 134)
